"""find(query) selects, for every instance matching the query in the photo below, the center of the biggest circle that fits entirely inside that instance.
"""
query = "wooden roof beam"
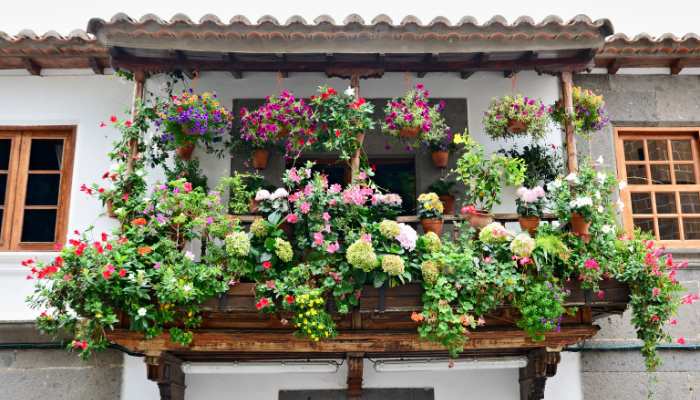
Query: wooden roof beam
(429, 58)
(614, 66)
(466, 74)
(95, 66)
(236, 73)
(676, 66)
(31, 66)
(181, 64)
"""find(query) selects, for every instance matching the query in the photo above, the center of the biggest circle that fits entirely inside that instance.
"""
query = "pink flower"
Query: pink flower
(524, 261)
(305, 207)
(318, 239)
(292, 218)
(335, 188)
(601, 295)
(673, 322)
(366, 237)
(308, 189)
(332, 202)
(362, 175)
(294, 196)
(680, 340)
(655, 292)
(326, 217)
(293, 176)
(654, 318)
(270, 284)
(690, 298)
(591, 264)
(488, 259)
(188, 187)
(332, 247)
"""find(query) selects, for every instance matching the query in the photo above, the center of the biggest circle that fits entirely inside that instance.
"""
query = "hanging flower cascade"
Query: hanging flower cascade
(413, 118)
(589, 116)
(511, 116)
(192, 118)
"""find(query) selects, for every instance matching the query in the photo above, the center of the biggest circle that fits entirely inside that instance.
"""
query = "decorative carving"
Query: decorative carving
(166, 370)
(355, 371)
(541, 364)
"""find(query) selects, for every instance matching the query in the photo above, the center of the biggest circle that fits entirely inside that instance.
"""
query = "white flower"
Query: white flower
(572, 177)
(599, 160)
(555, 224)
(349, 91)
(555, 184)
(141, 312)
(601, 209)
(278, 194)
(620, 205)
(186, 287)
(407, 237)
(581, 202)
(189, 255)
(261, 195)
(602, 176)
(622, 185)
(607, 228)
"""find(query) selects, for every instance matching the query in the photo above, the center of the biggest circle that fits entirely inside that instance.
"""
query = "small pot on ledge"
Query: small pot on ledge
(440, 158)
(409, 132)
(432, 225)
(477, 219)
(529, 223)
(185, 151)
(448, 203)
(579, 226)
(260, 157)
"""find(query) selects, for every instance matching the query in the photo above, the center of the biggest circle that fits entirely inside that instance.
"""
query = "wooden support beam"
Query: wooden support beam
(355, 161)
(166, 370)
(509, 74)
(31, 66)
(355, 372)
(139, 83)
(428, 59)
(541, 364)
(566, 80)
(466, 74)
(182, 64)
(95, 66)
(235, 72)
(676, 66)
(613, 66)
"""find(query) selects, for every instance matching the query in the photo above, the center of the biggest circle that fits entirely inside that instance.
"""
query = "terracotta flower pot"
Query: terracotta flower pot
(282, 133)
(448, 203)
(579, 226)
(478, 219)
(109, 205)
(516, 126)
(409, 132)
(253, 206)
(440, 158)
(260, 157)
(529, 224)
(184, 152)
(432, 225)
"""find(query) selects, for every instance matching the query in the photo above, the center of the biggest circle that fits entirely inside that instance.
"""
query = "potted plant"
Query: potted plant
(483, 179)
(511, 116)
(543, 161)
(340, 119)
(589, 115)
(242, 189)
(445, 190)
(530, 203)
(440, 144)
(411, 117)
(430, 211)
(192, 118)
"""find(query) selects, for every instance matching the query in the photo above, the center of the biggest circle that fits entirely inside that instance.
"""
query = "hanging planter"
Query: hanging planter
(432, 225)
(589, 115)
(512, 116)
(409, 132)
(529, 224)
(440, 158)
(516, 126)
(185, 151)
(413, 119)
(260, 157)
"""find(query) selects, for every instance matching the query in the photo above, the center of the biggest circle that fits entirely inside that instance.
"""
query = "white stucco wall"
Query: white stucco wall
(81, 99)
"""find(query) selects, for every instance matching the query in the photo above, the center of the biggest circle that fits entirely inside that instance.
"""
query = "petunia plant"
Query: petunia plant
(511, 116)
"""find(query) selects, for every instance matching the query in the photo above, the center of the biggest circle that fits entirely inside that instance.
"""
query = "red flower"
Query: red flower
(267, 264)
(337, 133)
(80, 344)
(98, 247)
(292, 218)
(128, 124)
(108, 271)
(357, 103)
(103, 236)
(113, 119)
(289, 299)
(680, 340)
(125, 197)
(331, 91)
(591, 264)
(187, 187)
(601, 294)
(122, 273)
(58, 261)
(139, 221)
(105, 175)
(654, 318)
(262, 303)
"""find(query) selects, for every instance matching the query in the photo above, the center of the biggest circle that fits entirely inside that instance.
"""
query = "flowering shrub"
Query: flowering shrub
(192, 118)
(589, 115)
(413, 111)
(530, 202)
(429, 206)
(530, 115)
(482, 177)
(341, 117)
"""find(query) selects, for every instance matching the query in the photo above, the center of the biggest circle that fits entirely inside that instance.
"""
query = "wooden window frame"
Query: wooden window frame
(16, 189)
(661, 133)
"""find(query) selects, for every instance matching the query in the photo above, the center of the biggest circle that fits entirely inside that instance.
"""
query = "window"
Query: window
(35, 173)
(663, 192)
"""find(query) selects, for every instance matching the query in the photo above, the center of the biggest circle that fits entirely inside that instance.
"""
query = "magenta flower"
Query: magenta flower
(333, 247)
(305, 207)
(591, 264)
(292, 218)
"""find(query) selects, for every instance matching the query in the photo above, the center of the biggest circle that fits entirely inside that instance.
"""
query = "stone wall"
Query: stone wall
(39, 370)
(643, 100)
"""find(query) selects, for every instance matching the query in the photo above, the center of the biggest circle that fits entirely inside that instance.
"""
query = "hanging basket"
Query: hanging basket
(440, 158)
(529, 224)
(432, 225)
(409, 132)
(260, 157)
(448, 203)
(185, 151)
(282, 133)
(579, 226)
(516, 126)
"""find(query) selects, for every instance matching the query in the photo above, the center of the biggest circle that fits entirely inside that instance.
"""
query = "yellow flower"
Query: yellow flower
(458, 139)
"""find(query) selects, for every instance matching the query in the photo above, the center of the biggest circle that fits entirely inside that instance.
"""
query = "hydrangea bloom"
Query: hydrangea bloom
(431, 242)
(494, 233)
(283, 249)
(430, 271)
(278, 194)
(389, 229)
(392, 265)
(407, 237)
(259, 228)
(361, 255)
(262, 194)
(522, 245)
(237, 244)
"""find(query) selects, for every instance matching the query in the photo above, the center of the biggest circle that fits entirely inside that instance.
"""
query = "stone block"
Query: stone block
(635, 385)
(61, 383)
(632, 361)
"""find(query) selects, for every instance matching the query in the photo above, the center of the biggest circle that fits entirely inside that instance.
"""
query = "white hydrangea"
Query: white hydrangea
(278, 194)
(407, 237)
(262, 194)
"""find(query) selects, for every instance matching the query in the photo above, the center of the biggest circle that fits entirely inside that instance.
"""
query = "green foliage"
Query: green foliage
(543, 162)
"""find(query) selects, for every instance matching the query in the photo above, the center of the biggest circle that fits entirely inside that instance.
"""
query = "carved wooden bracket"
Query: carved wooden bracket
(541, 364)
(355, 371)
(166, 370)
(349, 73)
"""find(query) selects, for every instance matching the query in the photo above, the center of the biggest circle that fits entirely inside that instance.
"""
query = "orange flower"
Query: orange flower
(139, 221)
(416, 317)
(144, 250)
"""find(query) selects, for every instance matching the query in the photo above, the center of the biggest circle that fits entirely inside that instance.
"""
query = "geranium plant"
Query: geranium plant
(413, 118)
(341, 118)
(589, 114)
(511, 116)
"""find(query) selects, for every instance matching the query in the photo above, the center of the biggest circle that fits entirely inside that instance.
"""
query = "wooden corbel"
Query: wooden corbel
(166, 370)
(541, 364)
(355, 372)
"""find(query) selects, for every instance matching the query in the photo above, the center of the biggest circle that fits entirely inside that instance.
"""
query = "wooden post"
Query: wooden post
(140, 81)
(541, 364)
(355, 160)
(355, 371)
(166, 370)
(566, 80)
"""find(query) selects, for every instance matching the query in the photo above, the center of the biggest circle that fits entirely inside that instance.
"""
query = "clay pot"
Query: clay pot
(448, 203)
(260, 157)
(529, 224)
(282, 133)
(516, 126)
(409, 132)
(184, 152)
(579, 226)
(109, 204)
(432, 225)
(478, 219)
(253, 206)
(440, 158)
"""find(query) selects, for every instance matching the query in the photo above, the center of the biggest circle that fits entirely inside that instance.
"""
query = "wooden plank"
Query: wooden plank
(566, 80)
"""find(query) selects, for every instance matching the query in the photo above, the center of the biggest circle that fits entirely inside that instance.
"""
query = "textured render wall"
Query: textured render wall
(642, 100)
